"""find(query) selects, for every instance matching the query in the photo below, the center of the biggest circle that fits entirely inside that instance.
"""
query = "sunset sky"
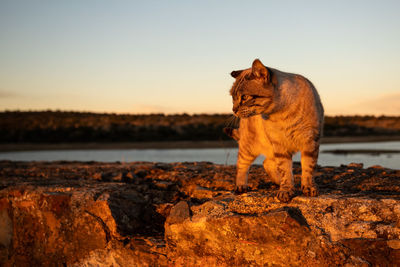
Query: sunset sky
(176, 56)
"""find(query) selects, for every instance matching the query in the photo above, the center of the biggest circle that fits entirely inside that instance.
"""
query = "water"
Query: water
(216, 155)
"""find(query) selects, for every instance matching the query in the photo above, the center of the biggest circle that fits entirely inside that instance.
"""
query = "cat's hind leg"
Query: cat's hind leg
(309, 158)
(283, 161)
(272, 170)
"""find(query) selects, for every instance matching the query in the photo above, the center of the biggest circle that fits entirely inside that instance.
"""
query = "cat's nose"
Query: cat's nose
(235, 109)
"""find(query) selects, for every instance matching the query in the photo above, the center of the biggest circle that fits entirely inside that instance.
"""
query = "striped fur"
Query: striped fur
(280, 114)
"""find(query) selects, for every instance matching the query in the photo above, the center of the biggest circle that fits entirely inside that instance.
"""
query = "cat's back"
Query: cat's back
(291, 82)
(298, 95)
(299, 113)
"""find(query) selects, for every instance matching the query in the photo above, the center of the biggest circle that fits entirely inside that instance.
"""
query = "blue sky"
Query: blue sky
(176, 56)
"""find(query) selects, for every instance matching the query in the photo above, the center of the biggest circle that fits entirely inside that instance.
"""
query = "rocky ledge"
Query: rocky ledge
(185, 214)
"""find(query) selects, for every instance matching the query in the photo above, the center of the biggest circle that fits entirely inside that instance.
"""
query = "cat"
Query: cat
(280, 114)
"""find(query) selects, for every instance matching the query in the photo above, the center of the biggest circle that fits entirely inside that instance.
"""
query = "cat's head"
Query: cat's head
(252, 92)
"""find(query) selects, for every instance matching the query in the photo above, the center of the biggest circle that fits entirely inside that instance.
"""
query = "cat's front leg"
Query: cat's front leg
(284, 167)
(245, 158)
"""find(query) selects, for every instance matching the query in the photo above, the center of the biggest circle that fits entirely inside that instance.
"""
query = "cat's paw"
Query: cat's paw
(240, 189)
(228, 131)
(310, 191)
(285, 195)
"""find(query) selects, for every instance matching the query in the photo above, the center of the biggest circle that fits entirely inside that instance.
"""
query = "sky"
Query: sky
(176, 56)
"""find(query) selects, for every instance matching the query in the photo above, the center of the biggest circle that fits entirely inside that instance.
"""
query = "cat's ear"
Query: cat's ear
(236, 73)
(259, 71)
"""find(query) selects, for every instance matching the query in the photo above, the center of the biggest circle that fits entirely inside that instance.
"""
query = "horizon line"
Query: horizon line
(175, 113)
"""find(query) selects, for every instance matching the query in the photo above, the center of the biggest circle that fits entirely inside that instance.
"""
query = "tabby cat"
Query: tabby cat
(280, 114)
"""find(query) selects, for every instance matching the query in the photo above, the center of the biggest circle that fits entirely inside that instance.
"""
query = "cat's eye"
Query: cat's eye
(245, 97)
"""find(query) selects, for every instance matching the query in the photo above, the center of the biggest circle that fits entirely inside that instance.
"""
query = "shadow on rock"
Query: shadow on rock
(134, 214)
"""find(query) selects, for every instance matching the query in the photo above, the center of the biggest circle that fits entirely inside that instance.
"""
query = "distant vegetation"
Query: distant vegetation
(57, 126)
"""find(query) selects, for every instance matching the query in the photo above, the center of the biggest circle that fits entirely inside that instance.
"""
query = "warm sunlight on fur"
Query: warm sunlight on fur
(280, 114)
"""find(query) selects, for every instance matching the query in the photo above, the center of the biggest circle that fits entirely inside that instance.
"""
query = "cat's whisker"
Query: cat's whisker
(236, 121)
(230, 121)
(227, 122)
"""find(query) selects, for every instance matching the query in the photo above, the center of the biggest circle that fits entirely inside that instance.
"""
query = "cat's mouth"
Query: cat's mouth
(245, 113)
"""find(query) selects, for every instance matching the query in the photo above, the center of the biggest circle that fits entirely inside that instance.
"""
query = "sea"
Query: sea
(370, 154)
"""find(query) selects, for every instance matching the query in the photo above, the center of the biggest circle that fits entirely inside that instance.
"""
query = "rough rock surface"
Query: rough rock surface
(185, 214)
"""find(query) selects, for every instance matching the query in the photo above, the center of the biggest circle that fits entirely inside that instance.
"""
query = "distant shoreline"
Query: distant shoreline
(170, 144)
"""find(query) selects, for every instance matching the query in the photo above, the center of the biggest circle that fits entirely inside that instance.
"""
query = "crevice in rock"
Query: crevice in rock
(103, 225)
(296, 214)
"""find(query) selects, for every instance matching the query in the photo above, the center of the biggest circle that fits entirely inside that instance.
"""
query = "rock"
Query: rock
(242, 239)
(178, 213)
(141, 173)
(200, 192)
(163, 184)
(185, 214)
(97, 176)
(326, 225)
(6, 231)
(375, 167)
(394, 244)
(355, 165)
